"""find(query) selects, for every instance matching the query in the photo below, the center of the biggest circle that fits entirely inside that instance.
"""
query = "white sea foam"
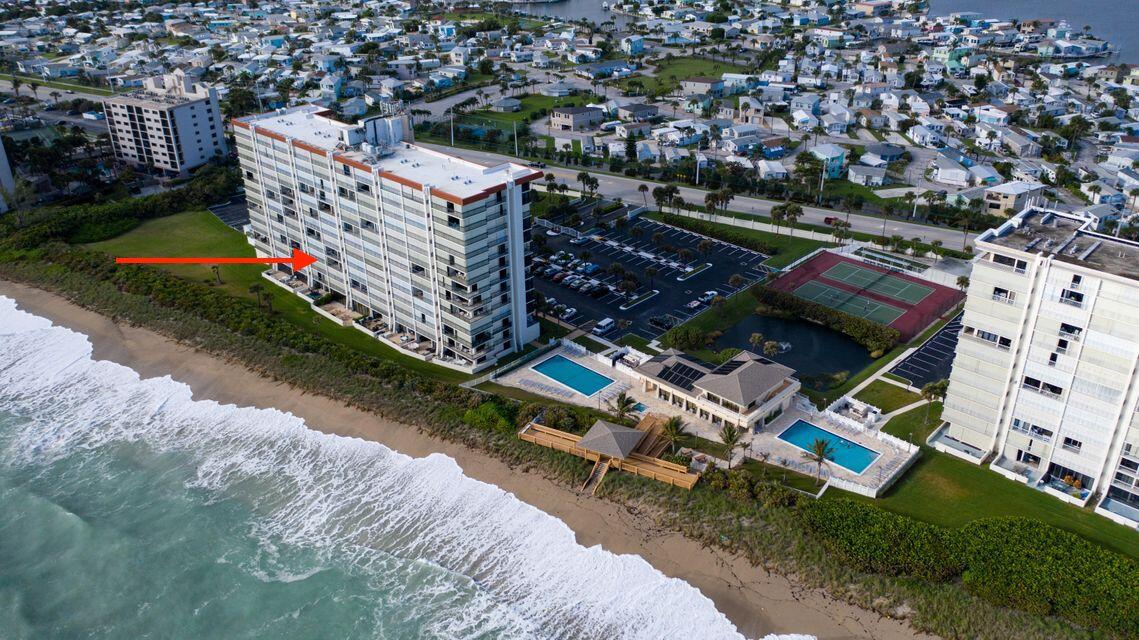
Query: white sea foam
(520, 570)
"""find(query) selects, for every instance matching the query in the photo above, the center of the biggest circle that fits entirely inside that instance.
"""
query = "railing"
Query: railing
(1004, 299)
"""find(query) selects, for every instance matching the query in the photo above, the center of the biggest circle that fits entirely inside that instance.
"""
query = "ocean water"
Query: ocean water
(131, 511)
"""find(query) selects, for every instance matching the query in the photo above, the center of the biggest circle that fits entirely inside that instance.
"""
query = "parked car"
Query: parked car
(580, 240)
(561, 276)
(551, 303)
(600, 291)
(830, 220)
(568, 313)
(708, 296)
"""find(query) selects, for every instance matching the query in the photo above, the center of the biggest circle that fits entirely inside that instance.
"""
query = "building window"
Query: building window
(1070, 331)
(1073, 298)
(1003, 295)
(1042, 387)
(1073, 445)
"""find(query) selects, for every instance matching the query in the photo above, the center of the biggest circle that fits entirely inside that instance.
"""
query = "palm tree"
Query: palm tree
(644, 189)
(819, 453)
(756, 340)
(217, 272)
(257, 289)
(35, 87)
(792, 212)
(771, 348)
(730, 438)
(704, 247)
(778, 212)
(623, 405)
(962, 282)
(736, 281)
(931, 392)
(673, 431)
(16, 84)
(650, 272)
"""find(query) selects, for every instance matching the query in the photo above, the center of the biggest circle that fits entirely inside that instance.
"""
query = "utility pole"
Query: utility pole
(514, 128)
(452, 127)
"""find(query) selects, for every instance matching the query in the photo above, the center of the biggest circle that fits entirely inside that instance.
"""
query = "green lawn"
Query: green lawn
(637, 342)
(200, 233)
(789, 248)
(532, 104)
(55, 84)
(887, 397)
(950, 492)
(590, 343)
(668, 74)
(551, 329)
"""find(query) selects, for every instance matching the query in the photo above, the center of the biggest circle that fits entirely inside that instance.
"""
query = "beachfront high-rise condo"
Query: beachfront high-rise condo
(1043, 385)
(171, 123)
(424, 250)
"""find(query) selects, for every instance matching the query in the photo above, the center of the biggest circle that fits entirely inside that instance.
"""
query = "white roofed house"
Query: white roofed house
(771, 170)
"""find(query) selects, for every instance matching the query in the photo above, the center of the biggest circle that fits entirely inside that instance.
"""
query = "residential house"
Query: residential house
(575, 118)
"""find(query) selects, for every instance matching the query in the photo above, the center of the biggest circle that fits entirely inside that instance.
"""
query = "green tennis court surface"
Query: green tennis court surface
(880, 283)
(847, 302)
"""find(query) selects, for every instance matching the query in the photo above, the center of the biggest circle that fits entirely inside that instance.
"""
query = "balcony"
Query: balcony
(1079, 304)
(1004, 299)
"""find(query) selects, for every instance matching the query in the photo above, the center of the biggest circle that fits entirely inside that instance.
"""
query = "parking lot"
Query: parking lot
(933, 360)
(644, 244)
(234, 213)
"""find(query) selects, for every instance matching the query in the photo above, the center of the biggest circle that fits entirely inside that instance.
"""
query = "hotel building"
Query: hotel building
(426, 245)
(171, 124)
(1043, 385)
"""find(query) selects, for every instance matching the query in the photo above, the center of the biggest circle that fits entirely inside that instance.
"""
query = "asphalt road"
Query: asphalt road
(612, 186)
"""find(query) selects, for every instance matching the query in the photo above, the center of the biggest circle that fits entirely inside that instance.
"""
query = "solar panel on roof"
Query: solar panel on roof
(728, 367)
(681, 375)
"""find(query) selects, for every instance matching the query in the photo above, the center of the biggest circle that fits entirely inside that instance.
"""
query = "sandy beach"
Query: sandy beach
(757, 602)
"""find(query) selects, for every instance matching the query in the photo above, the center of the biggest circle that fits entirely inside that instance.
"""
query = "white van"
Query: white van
(603, 327)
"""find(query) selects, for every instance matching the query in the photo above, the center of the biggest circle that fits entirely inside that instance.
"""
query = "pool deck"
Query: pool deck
(872, 481)
(891, 458)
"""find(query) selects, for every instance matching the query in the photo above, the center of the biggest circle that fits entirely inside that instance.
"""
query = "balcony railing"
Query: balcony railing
(1073, 303)
(1004, 299)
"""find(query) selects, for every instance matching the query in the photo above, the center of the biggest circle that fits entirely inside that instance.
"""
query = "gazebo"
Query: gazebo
(611, 440)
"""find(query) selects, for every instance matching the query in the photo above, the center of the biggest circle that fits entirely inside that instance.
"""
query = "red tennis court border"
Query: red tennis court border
(916, 317)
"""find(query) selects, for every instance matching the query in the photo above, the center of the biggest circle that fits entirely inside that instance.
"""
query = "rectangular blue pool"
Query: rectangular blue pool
(568, 373)
(848, 455)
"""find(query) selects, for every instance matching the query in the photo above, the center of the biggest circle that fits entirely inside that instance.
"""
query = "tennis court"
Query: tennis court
(847, 302)
(890, 286)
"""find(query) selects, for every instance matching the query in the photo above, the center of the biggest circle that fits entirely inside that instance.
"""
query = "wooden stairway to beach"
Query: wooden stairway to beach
(595, 477)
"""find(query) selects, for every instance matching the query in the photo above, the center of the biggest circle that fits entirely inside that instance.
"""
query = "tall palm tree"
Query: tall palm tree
(931, 392)
(257, 289)
(819, 453)
(756, 341)
(792, 212)
(672, 431)
(771, 348)
(730, 438)
(650, 273)
(623, 405)
(644, 189)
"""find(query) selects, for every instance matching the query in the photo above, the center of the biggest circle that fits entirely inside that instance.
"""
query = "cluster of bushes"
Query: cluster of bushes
(1010, 562)
(718, 232)
(742, 487)
(875, 337)
(94, 222)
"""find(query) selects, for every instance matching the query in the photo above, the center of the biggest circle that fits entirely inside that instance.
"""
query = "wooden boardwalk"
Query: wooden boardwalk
(637, 463)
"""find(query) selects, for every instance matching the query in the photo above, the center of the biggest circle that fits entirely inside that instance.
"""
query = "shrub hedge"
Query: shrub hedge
(1011, 562)
(873, 336)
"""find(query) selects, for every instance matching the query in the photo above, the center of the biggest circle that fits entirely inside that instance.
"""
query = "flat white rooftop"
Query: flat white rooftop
(454, 175)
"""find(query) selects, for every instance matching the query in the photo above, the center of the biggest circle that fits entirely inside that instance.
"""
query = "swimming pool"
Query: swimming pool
(568, 373)
(846, 454)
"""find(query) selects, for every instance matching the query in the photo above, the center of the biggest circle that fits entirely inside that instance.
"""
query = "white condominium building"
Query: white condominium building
(424, 244)
(1044, 381)
(171, 124)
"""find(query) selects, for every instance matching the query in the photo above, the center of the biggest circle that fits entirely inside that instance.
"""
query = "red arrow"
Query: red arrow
(299, 260)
